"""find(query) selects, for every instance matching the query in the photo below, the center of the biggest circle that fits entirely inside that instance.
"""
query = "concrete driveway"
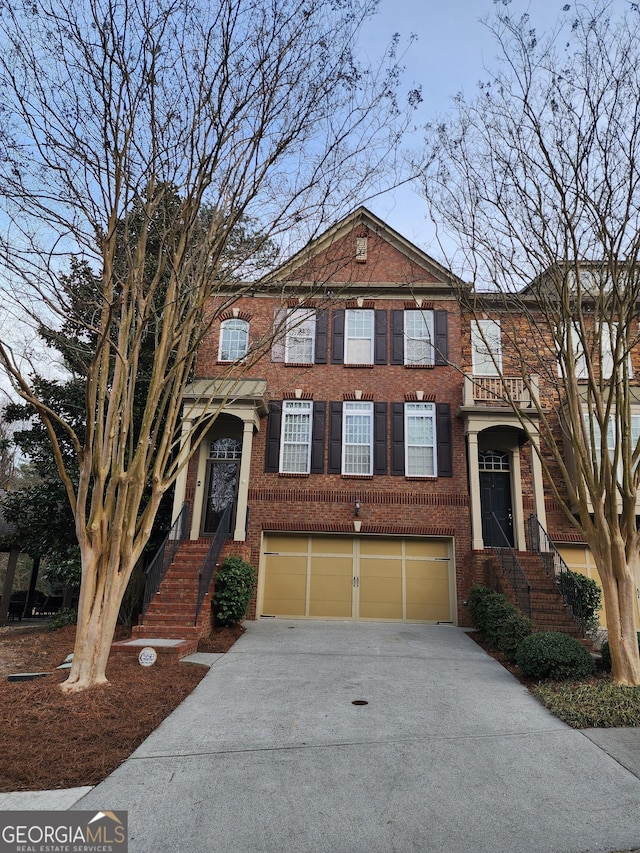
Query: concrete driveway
(449, 754)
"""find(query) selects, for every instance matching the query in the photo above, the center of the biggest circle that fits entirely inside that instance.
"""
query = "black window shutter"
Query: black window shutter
(443, 436)
(397, 439)
(440, 323)
(322, 334)
(337, 340)
(335, 438)
(272, 459)
(317, 438)
(380, 342)
(380, 438)
(397, 337)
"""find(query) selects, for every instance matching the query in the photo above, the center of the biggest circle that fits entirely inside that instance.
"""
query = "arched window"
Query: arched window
(234, 339)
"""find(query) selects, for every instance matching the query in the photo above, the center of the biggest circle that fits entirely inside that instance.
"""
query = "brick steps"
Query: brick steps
(171, 613)
(548, 610)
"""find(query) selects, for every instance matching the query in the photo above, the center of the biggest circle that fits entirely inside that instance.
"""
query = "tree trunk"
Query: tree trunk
(619, 591)
(103, 585)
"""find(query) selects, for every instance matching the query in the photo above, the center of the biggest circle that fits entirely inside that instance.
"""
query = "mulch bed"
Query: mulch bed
(49, 739)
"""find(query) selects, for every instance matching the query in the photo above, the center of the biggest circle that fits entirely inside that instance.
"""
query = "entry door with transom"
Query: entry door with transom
(495, 498)
(221, 483)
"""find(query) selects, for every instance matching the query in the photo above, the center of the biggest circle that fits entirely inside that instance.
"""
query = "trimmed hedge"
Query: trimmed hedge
(234, 586)
(557, 657)
(499, 621)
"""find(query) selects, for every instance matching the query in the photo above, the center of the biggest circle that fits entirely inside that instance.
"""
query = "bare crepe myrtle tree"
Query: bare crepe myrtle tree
(116, 114)
(537, 178)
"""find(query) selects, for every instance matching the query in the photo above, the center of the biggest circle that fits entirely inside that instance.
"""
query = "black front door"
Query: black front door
(495, 502)
(222, 485)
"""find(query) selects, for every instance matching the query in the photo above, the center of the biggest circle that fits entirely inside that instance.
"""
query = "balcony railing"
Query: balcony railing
(498, 390)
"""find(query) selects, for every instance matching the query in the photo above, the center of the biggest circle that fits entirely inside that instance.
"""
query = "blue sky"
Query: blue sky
(452, 49)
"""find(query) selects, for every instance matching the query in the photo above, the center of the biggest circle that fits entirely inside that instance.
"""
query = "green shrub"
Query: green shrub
(234, 586)
(479, 599)
(590, 596)
(605, 651)
(64, 616)
(558, 657)
(507, 634)
(498, 620)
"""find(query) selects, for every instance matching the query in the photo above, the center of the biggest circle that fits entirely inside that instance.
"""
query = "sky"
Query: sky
(451, 51)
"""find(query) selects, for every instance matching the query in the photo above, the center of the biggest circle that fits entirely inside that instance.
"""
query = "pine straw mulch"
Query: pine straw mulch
(49, 739)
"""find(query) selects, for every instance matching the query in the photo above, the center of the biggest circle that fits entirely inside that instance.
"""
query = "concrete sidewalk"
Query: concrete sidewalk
(449, 755)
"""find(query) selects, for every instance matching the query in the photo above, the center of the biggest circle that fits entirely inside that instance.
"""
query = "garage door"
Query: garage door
(340, 577)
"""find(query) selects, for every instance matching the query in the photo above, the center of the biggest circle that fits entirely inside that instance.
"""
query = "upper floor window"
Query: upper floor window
(357, 445)
(420, 440)
(300, 336)
(418, 337)
(486, 347)
(358, 338)
(234, 339)
(295, 448)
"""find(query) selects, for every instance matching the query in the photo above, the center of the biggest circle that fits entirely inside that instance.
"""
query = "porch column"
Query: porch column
(240, 533)
(517, 505)
(477, 542)
(180, 488)
(538, 483)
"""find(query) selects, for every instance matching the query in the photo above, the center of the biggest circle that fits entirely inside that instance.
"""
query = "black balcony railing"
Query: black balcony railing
(512, 569)
(557, 570)
(210, 561)
(164, 556)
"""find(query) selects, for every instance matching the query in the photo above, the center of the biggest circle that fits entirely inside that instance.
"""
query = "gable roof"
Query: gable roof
(362, 219)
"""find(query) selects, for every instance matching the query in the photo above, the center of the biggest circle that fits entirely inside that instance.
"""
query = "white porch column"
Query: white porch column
(180, 488)
(240, 533)
(538, 483)
(477, 542)
(516, 502)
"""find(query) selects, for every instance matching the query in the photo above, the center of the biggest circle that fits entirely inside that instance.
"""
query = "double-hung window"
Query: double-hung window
(300, 336)
(420, 440)
(358, 338)
(357, 444)
(295, 447)
(234, 339)
(486, 347)
(418, 337)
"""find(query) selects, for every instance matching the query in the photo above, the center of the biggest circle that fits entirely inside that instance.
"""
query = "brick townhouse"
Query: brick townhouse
(340, 447)
(365, 458)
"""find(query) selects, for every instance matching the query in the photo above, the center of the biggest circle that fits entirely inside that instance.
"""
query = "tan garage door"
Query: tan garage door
(341, 577)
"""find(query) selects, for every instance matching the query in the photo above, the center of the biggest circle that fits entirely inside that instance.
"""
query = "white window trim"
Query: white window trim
(296, 317)
(361, 408)
(420, 410)
(295, 407)
(225, 324)
(428, 316)
(352, 312)
(491, 363)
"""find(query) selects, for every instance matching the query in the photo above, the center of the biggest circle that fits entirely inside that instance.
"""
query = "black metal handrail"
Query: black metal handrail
(557, 569)
(157, 568)
(210, 561)
(513, 570)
